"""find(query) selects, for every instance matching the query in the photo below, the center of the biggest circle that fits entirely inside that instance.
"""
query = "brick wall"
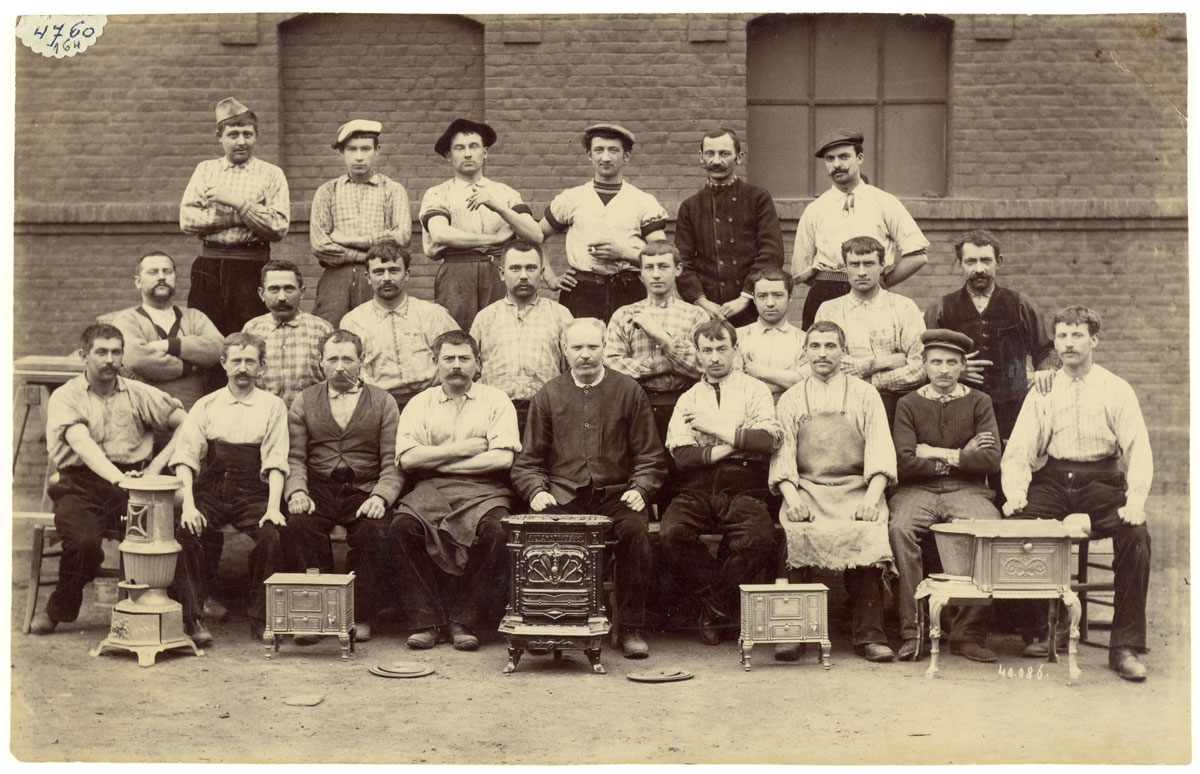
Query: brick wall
(1066, 138)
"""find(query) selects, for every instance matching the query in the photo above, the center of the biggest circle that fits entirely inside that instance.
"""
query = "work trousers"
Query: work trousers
(864, 589)
(634, 558)
(819, 292)
(1057, 491)
(340, 289)
(744, 556)
(913, 511)
(226, 290)
(466, 286)
(85, 505)
(482, 584)
(368, 557)
(599, 296)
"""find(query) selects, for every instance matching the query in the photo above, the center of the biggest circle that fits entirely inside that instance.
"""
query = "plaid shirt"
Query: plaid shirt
(882, 325)
(398, 343)
(371, 210)
(265, 209)
(293, 357)
(520, 350)
(631, 351)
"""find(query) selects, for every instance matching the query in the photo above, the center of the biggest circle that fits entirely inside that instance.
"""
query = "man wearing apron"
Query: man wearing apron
(831, 469)
(232, 456)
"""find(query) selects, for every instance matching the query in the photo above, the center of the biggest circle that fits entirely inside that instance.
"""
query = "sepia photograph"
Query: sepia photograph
(612, 385)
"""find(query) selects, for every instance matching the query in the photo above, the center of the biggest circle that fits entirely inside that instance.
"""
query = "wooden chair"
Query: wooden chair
(45, 546)
(1089, 589)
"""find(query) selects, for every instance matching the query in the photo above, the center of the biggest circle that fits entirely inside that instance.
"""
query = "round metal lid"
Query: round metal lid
(402, 669)
(667, 675)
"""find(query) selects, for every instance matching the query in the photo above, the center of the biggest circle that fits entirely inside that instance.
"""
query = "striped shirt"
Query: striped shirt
(371, 210)
(884, 324)
(398, 343)
(1093, 417)
(520, 350)
(293, 357)
(745, 402)
(264, 213)
(779, 346)
(833, 217)
(433, 418)
(449, 199)
(626, 219)
(122, 423)
(631, 351)
(259, 418)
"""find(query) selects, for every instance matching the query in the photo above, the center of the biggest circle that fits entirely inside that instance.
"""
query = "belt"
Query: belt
(1107, 465)
(257, 250)
(465, 257)
(830, 276)
(624, 277)
(84, 470)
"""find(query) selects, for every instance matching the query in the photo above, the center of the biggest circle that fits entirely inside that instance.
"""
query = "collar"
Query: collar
(227, 164)
(732, 180)
(720, 383)
(121, 386)
(856, 301)
(356, 389)
(229, 399)
(292, 323)
(610, 187)
(458, 182)
(374, 179)
(830, 382)
(782, 327)
(991, 289)
(1089, 378)
(536, 300)
(654, 304)
(445, 397)
(581, 385)
(927, 391)
(381, 311)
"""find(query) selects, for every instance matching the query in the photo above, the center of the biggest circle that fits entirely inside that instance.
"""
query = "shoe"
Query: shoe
(462, 637)
(43, 624)
(215, 610)
(425, 638)
(257, 627)
(709, 624)
(1125, 663)
(975, 651)
(1038, 648)
(362, 631)
(305, 640)
(788, 651)
(634, 646)
(908, 650)
(201, 636)
(876, 652)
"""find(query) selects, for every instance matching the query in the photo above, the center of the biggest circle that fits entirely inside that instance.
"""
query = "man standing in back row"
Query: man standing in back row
(237, 205)
(724, 233)
(851, 208)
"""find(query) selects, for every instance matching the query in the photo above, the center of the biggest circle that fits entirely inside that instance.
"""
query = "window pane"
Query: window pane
(915, 59)
(855, 118)
(914, 150)
(777, 58)
(776, 155)
(847, 57)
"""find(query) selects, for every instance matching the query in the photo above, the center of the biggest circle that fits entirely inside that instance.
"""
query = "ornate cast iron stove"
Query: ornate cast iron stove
(556, 568)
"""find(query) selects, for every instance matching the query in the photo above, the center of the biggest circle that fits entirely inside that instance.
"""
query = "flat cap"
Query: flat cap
(838, 137)
(947, 339)
(614, 128)
(229, 108)
(356, 126)
(485, 132)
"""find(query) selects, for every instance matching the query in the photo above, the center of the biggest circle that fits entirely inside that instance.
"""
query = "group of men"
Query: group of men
(666, 375)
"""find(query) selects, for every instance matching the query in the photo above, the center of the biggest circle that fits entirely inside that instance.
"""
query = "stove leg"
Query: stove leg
(593, 656)
(1052, 635)
(826, 647)
(746, 648)
(1075, 609)
(514, 658)
(936, 603)
(270, 643)
(557, 654)
(345, 641)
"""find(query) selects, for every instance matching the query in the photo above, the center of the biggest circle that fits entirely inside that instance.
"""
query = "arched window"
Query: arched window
(886, 75)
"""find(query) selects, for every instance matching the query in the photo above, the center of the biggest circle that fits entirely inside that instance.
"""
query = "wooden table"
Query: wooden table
(35, 376)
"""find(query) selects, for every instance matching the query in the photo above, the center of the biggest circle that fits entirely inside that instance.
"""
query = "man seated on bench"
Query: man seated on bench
(232, 456)
(342, 472)
(721, 436)
(100, 428)
(946, 445)
(1067, 454)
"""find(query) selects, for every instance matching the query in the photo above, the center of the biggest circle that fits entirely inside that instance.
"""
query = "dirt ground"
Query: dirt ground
(229, 705)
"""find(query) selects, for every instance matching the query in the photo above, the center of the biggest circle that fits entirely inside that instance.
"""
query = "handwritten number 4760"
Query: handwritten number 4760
(76, 30)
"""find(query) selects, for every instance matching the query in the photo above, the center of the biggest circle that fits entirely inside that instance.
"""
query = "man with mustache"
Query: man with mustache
(99, 429)
(232, 456)
(1066, 455)
(457, 440)
(835, 460)
(591, 447)
(238, 205)
(607, 221)
(1006, 326)
(293, 337)
(466, 220)
(883, 329)
(341, 471)
(165, 345)
(724, 233)
(350, 214)
(520, 336)
(946, 445)
(397, 330)
(721, 436)
(851, 208)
